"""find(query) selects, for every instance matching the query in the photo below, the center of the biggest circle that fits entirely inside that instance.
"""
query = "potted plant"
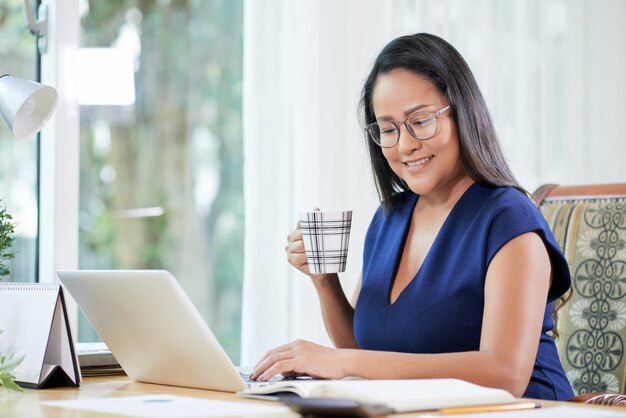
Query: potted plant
(9, 362)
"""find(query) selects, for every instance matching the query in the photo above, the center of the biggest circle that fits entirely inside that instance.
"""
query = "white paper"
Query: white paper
(548, 412)
(162, 406)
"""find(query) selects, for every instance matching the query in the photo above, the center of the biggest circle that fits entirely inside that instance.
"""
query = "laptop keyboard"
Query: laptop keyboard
(246, 377)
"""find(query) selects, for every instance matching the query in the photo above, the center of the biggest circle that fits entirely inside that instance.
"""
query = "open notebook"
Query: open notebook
(399, 395)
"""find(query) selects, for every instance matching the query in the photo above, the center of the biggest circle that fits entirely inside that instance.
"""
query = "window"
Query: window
(161, 161)
(18, 158)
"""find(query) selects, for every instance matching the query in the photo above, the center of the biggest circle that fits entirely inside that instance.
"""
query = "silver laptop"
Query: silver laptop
(152, 328)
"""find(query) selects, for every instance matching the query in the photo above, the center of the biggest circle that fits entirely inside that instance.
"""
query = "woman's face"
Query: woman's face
(427, 166)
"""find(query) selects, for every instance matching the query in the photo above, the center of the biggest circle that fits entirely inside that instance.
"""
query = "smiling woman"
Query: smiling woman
(460, 269)
(550, 72)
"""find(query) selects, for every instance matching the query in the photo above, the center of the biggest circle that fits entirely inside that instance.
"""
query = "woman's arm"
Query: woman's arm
(516, 290)
(337, 312)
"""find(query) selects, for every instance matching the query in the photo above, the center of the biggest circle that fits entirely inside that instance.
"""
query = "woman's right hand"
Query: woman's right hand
(296, 255)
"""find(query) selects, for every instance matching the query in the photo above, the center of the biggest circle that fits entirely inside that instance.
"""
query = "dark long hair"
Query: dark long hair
(437, 60)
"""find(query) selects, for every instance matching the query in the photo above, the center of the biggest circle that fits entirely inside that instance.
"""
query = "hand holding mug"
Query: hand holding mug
(296, 254)
(319, 245)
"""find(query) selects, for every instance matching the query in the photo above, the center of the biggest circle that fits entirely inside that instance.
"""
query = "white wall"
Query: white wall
(551, 72)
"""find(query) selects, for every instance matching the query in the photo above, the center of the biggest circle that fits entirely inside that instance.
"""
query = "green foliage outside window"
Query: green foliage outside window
(177, 148)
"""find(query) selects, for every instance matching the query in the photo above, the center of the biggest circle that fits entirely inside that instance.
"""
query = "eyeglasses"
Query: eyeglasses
(421, 125)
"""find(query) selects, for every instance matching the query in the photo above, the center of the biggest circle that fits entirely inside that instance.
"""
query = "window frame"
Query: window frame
(59, 149)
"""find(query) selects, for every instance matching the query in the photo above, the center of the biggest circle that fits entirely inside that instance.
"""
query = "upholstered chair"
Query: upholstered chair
(589, 222)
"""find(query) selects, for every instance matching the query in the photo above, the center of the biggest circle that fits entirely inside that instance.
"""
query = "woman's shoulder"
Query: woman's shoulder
(496, 199)
(503, 208)
(511, 213)
(505, 195)
(508, 212)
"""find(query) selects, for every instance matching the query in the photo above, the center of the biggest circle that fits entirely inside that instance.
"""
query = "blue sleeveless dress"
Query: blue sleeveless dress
(441, 309)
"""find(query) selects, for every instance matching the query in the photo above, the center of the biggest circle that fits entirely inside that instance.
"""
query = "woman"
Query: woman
(460, 269)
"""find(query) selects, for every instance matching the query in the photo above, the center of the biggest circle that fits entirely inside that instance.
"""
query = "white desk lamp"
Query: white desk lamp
(25, 105)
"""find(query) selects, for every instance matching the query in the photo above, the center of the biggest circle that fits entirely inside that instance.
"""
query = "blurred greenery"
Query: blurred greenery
(18, 158)
(7, 237)
(179, 148)
(16, 44)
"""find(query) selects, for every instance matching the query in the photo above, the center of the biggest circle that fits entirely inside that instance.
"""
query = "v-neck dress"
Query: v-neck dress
(441, 309)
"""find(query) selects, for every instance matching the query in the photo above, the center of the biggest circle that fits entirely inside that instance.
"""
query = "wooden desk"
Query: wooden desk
(27, 405)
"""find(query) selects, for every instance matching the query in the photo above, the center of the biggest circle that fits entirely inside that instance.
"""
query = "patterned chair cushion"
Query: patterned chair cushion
(592, 324)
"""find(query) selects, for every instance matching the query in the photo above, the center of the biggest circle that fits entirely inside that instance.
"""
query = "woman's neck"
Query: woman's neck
(447, 195)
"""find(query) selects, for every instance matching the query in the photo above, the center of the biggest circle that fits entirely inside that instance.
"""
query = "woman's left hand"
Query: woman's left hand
(300, 358)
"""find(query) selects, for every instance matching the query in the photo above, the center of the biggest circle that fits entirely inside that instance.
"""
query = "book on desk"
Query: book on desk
(95, 359)
(398, 395)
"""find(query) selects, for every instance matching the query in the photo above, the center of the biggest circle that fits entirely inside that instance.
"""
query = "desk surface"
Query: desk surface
(28, 404)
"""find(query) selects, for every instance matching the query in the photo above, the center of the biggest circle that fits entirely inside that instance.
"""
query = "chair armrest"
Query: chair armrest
(612, 399)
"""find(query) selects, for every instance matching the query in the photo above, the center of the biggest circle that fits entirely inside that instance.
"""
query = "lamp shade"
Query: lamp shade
(25, 105)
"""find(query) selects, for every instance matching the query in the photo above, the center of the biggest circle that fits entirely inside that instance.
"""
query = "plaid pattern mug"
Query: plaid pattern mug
(326, 235)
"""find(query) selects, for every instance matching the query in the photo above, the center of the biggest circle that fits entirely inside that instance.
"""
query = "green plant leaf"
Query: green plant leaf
(7, 365)
(6, 380)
